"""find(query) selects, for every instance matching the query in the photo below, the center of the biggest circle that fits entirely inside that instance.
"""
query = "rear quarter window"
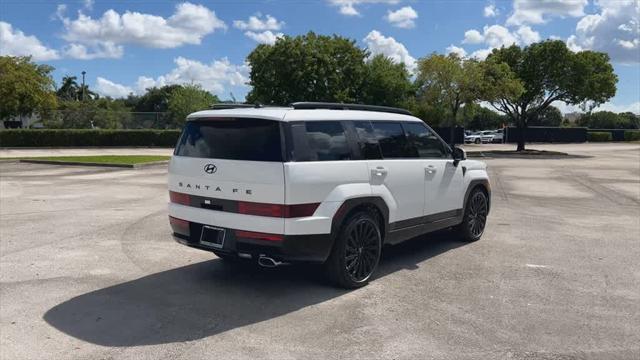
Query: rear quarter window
(322, 141)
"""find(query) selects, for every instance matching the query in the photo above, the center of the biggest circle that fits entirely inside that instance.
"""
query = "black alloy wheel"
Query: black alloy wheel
(362, 250)
(475, 216)
(356, 252)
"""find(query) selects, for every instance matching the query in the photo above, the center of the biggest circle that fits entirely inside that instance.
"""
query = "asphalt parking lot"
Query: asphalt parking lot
(88, 270)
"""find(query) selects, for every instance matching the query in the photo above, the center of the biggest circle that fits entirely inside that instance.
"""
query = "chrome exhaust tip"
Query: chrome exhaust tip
(268, 262)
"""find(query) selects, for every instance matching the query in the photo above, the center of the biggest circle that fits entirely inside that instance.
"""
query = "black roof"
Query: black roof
(341, 106)
(223, 106)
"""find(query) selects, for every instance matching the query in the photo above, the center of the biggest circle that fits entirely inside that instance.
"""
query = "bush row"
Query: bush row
(632, 136)
(597, 136)
(78, 137)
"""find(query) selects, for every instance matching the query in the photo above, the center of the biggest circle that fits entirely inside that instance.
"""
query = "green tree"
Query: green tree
(448, 82)
(476, 117)
(385, 83)
(546, 71)
(609, 120)
(551, 116)
(103, 113)
(187, 99)
(69, 89)
(25, 87)
(306, 68)
(155, 99)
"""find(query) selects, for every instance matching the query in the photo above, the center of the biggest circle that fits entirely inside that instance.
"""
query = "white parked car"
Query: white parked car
(498, 136)
(318, 182)
(483, 137)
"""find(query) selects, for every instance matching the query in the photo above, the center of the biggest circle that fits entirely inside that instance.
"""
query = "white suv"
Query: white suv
(319, 182)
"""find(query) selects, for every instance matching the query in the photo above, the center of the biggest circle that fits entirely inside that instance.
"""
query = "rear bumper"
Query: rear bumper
(292, 248)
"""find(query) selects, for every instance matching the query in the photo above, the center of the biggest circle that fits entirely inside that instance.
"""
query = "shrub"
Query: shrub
(597, 136)
(632, 136)
(80, 137)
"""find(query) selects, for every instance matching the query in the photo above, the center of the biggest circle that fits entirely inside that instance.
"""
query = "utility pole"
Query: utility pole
(83, 73)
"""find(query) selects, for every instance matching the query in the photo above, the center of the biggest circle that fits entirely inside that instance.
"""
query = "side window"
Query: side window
(424, 142)
(392, 140)
(367, 140)
(326, 141)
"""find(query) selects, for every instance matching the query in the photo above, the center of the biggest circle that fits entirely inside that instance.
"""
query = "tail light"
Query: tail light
(251, 208)
(276, 210)
(300, 210)
(180, 198)
(258, 235)
(179, 226)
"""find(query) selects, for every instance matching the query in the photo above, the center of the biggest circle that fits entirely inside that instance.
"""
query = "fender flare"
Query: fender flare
(472, 184)
(350, 204)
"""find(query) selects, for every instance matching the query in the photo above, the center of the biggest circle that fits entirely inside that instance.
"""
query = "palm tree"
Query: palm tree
(88, 94)
(69, 89)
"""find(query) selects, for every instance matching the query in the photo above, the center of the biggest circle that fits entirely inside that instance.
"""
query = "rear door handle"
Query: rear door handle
(430, 170)
(379, 171)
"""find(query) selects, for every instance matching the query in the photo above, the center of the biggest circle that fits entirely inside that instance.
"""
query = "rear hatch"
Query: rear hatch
(237, 159)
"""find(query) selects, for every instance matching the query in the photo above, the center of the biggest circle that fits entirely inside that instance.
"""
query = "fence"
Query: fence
(445, 134)
(616, 134)
(548, 134)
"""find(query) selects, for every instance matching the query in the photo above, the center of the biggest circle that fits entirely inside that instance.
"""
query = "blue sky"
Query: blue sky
(126, 46)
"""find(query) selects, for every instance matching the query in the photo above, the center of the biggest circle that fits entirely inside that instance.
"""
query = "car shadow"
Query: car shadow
(210, 297)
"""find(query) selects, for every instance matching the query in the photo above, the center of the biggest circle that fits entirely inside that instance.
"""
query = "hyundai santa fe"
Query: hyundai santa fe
(319, 182)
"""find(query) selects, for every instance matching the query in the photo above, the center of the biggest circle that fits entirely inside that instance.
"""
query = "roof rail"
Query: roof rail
(341, 106)
(222, 106)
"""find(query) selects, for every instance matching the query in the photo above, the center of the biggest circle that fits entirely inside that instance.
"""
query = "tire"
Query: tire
(475, 216)
(478, 141)
(356, 251)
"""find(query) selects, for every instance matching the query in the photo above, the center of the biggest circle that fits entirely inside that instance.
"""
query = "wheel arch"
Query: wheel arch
(367, 203)
(482, 184)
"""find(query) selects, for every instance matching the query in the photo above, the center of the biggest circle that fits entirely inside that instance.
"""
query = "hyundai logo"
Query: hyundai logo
(210, 168)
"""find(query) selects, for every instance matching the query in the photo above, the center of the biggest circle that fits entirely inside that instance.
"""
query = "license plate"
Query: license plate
(212, 237)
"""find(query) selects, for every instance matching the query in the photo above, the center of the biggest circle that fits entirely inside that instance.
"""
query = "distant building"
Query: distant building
(572, 117)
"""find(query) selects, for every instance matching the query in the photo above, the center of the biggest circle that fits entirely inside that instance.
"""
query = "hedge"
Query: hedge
(81, 137)
(632, 135)
(596, 136)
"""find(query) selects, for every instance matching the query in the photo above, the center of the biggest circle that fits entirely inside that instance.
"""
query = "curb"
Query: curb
(72, 163)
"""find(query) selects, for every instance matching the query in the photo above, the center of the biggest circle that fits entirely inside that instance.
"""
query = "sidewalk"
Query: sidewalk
(17, 152)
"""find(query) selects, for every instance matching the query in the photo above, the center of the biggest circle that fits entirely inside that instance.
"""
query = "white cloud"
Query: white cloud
(472, 37)
(88, 4)
(388, 46)
(106, 87)
(496, 36)
(538, 11)
(527, 35)
(105, 50)
(188, 25)
(255, 23)
(216, 77)
(452, 49)
(402, 18)
(491, 11)
(481, 54)
(265, 37)
(61, 9)
(614, 30)
(15, 43)
(348, 7)
(633, 107)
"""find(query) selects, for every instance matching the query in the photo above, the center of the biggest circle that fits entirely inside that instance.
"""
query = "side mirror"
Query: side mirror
(458, 155)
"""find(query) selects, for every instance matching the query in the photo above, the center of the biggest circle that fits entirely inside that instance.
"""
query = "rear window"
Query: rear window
(233, 139)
